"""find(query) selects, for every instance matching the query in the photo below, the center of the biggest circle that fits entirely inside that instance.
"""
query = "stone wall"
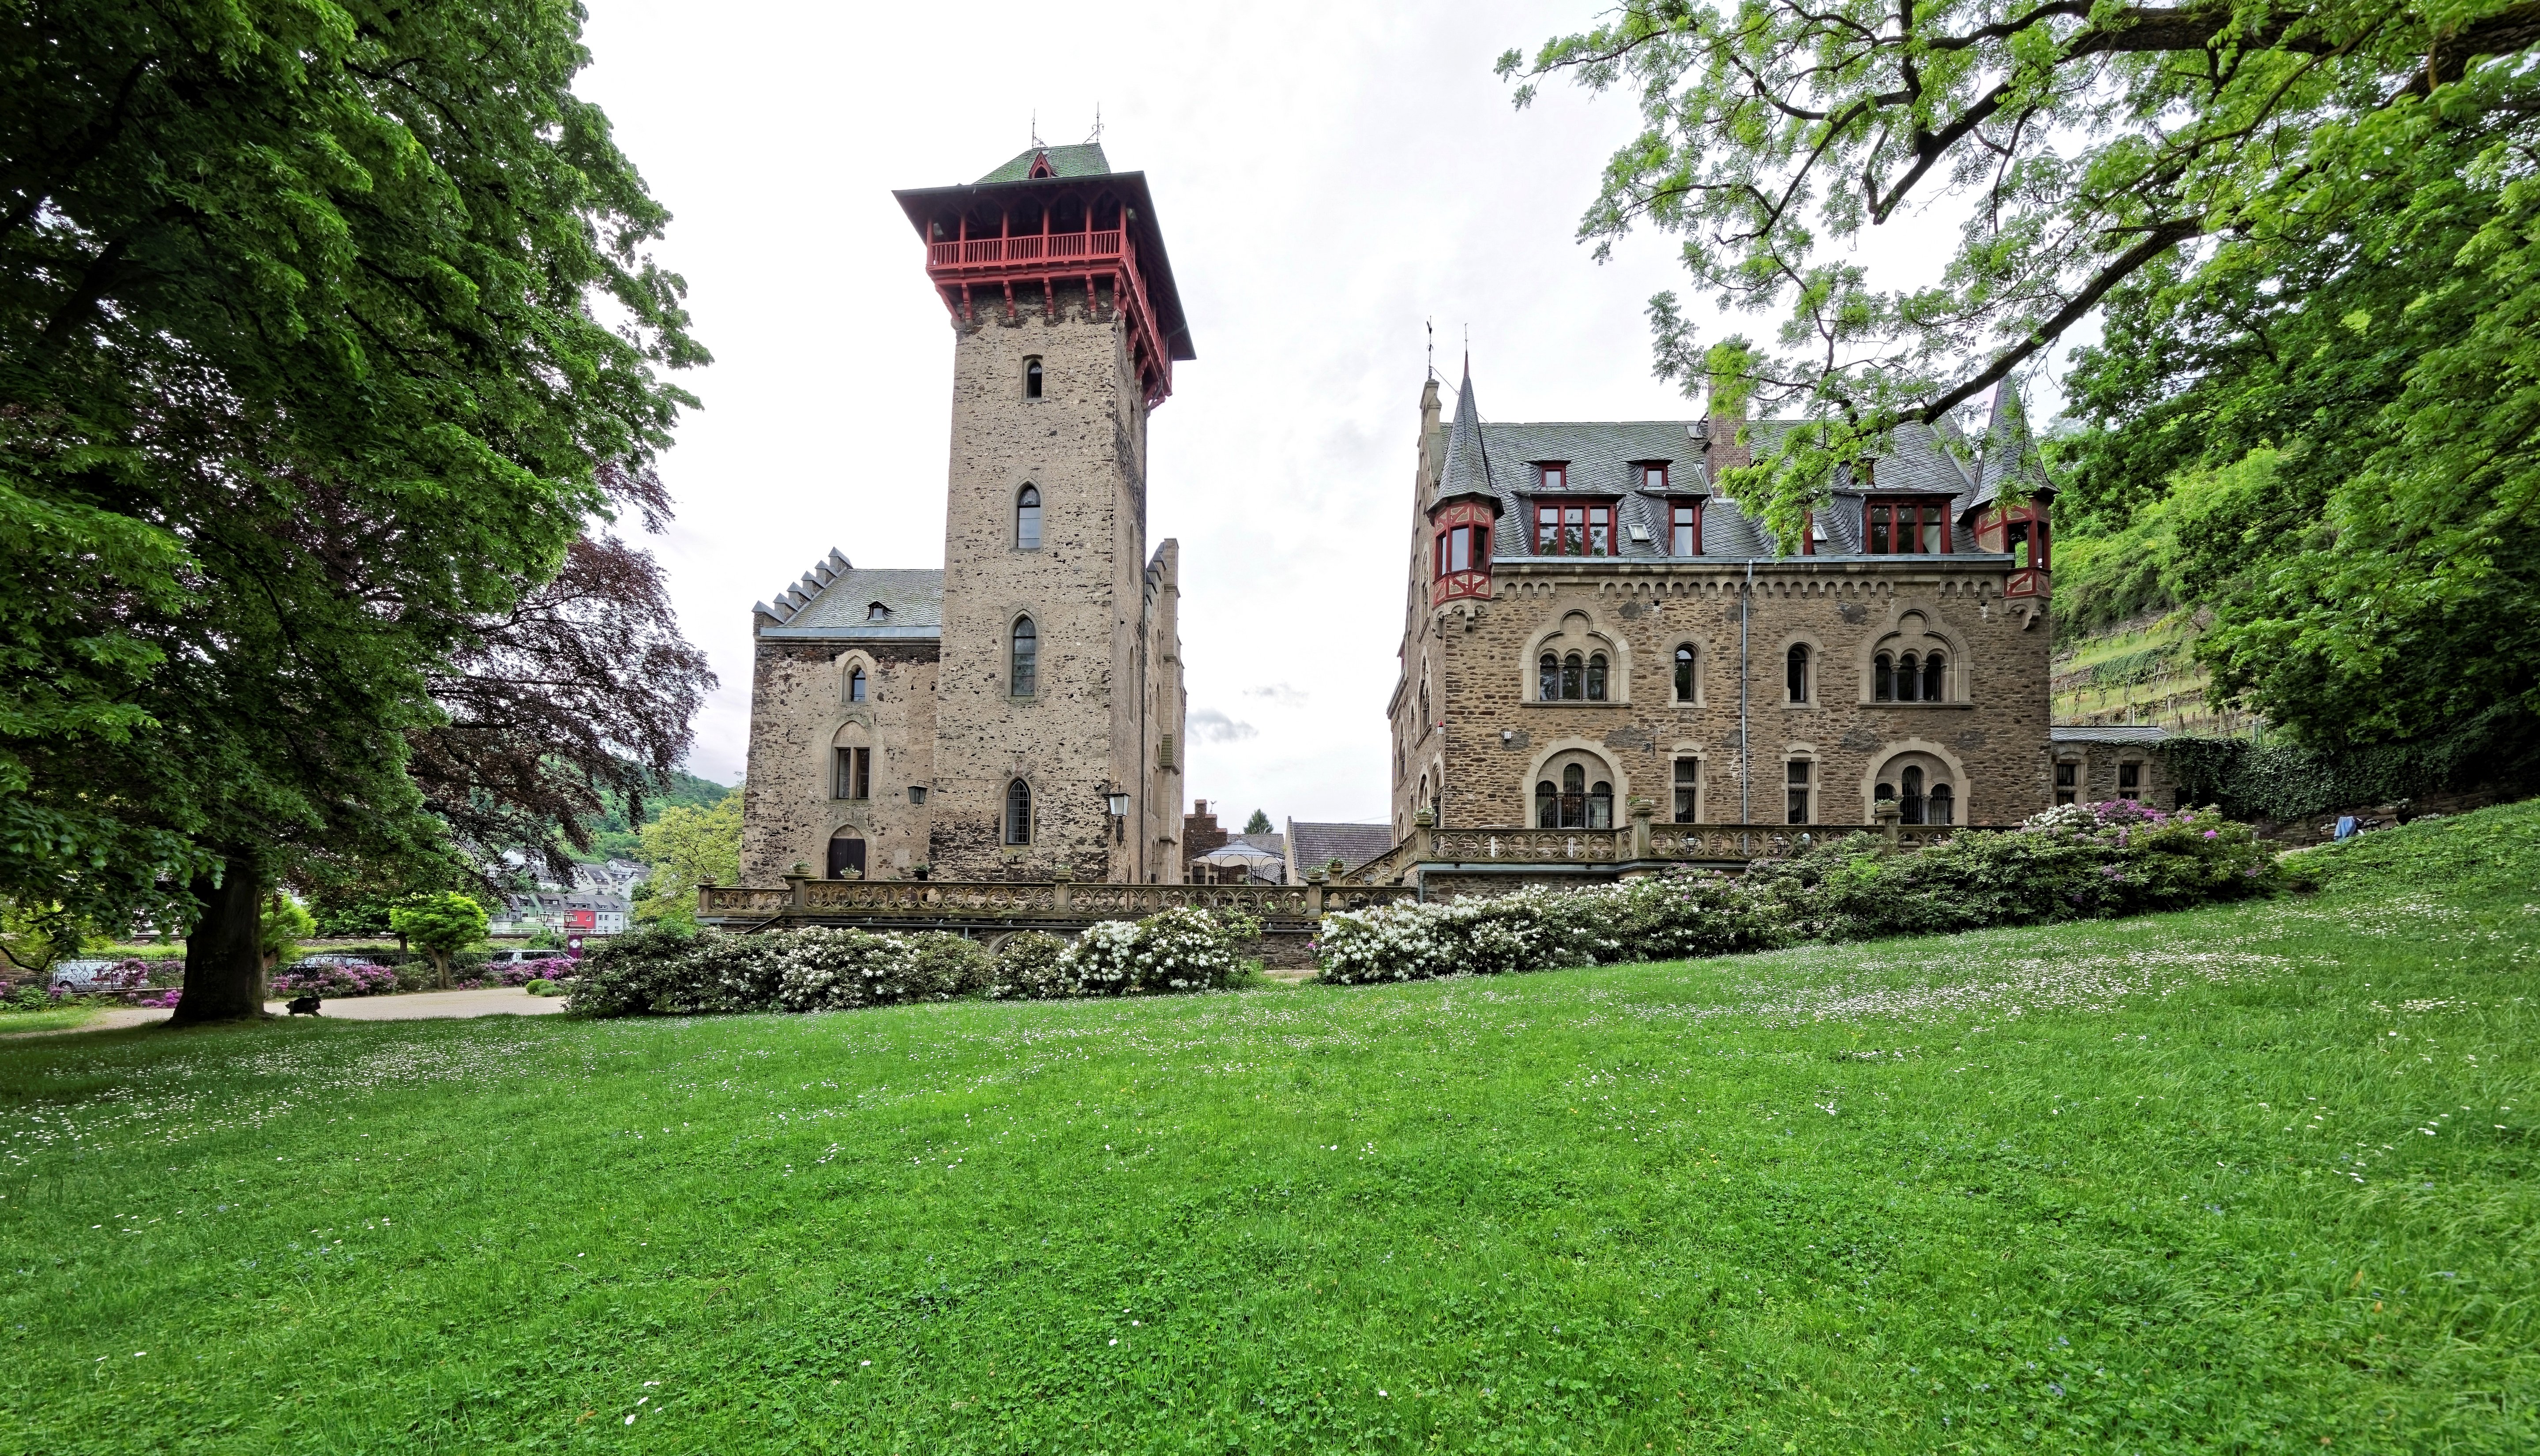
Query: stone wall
(798, 715)
(1082, 446)
(1988, 736)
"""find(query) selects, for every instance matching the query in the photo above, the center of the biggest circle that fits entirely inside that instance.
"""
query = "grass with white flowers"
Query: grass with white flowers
(2253, 1178)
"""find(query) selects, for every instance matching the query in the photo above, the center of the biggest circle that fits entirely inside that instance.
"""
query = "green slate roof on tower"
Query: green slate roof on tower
(1082, 160)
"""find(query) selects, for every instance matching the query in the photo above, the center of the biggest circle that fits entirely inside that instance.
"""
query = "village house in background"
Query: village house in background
(1311, 847)
(1216, 857)
(565, 913)
(1589, 624)
(1018, 714)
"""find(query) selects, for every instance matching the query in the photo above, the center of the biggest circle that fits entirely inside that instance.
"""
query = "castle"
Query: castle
(1019, 712)
(1589, 623)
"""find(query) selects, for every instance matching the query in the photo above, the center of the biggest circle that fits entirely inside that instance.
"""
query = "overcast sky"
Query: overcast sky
(1326, 178)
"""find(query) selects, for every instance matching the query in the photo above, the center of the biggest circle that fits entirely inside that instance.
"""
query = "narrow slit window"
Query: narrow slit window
(1688, 790)
(1795, 673)
(1795, 781)
(1027, 519)
(1547, 687)
(1027, 661)
(1032, 379)
(1597, 678)
(1684, 678)
(1909, 679)
(854, 684)
(1935, 678)
(1883, 680)
(1573, 675)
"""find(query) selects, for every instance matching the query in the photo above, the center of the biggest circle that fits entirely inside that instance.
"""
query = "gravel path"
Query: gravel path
(502, 1000)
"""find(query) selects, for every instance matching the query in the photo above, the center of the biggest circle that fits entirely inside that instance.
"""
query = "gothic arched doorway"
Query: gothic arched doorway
(846, 854)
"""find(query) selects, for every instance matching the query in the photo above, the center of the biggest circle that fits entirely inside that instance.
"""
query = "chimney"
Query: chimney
(1722, 450)
(1431, 442)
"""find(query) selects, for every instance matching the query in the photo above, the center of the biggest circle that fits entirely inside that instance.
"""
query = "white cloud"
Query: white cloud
(1211, 727)
(1279, 693)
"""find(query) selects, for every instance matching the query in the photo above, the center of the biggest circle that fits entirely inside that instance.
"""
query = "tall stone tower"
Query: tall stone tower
(1058, 698)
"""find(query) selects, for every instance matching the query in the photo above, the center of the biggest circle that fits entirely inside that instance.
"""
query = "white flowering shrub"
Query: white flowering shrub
(834, 970)
(1171, 950)
(1661, 918)
(1031, 965)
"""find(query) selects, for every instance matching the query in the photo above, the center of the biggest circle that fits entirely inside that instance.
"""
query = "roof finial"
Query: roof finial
(1432, 325)
(1035, 130)
(1468, 351)
(1097, 126)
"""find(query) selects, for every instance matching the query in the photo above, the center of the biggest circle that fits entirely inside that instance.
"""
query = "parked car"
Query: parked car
(514, 957)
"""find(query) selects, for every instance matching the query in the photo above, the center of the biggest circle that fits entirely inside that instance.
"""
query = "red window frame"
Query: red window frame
(1551, 475)
(1684, 512)
(1472, 539)
(1577, 525)
(1925, 518)
(1655, 475)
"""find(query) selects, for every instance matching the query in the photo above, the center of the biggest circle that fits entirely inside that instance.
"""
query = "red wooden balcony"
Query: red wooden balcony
(962, 267)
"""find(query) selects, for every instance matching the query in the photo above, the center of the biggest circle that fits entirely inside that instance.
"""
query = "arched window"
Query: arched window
(1027, 519)
(1883, 682)
(1685, 673)
(1909, 679)
(1425, 718)
(1547, 685)
(1910, 811)
(1574, 798)
(1688, 790)
(1547, 806)
(1018, 825)
(1600, 805)
(1936, 679)
(1795, 673)
(854, 684)
(1032, 379)
(1884, 793)
(1572, 671)
(1944, 805)
(1027, 673)
(1597, 678)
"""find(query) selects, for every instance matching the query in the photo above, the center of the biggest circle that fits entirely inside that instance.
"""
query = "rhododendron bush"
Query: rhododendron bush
(663, 972)
(2076, 861)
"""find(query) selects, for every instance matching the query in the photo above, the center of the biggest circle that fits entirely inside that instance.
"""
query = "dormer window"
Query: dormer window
(877, 612)
(1574, 529)
(1654, 476)
(1905, 527)
(1553, 475)
(1684, 529)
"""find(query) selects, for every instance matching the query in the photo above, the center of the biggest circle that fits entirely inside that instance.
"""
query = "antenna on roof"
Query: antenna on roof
(1035, 130)
(1097, 126)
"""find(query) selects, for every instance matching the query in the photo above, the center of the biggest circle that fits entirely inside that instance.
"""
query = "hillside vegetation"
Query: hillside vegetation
(2258, 1177)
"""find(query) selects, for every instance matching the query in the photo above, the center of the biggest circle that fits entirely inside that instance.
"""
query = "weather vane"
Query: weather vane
(1097, 126)
(1035, 128)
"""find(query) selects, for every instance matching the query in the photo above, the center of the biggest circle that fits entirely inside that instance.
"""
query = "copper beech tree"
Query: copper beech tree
(329, 353)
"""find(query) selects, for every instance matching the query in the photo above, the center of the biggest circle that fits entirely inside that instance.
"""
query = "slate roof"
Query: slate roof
(1085, 158)
(836, 600)
(1499, 461)
(1316, 846)
(2009, 453)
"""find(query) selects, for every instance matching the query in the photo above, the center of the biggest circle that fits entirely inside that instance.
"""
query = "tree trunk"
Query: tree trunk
(440, 969)
(225, 951)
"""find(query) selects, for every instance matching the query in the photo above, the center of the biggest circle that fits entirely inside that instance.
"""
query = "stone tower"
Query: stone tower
(1058, 717)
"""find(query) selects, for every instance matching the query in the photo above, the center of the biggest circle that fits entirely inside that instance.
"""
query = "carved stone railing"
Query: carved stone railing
(1642, 843)
(1059, 903)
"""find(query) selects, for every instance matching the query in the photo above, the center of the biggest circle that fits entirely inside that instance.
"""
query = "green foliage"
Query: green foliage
(2083, 147)
(34, 937)
(1259, 823)
(688, 846)
(542, 987)
(2080, 1188)
(615, 837)
(328, 334)
(2499, 749)
(2328, 426)
(283, 923)
(441, 926)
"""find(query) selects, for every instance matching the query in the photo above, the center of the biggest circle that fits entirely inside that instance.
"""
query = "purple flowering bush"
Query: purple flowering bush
(522, 972)
(333, 979)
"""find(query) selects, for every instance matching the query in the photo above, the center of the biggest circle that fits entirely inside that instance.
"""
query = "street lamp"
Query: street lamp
(1117, 801)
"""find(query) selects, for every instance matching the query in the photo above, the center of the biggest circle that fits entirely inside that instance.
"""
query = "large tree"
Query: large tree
(2215, 172)
(327, 350)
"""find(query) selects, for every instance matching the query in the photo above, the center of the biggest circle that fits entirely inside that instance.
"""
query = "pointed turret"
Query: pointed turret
(1464, 507)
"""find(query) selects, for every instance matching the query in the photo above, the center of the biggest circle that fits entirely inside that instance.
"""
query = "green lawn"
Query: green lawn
(2258, 1178)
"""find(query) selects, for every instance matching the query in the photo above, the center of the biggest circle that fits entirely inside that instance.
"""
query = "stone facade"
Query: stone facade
(1478, 741)
(1046, 531)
